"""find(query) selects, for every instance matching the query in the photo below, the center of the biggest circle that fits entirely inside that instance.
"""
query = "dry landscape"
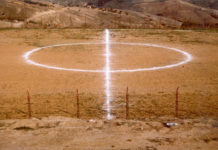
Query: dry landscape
(152, 93)
(54, 123)
(108, 14)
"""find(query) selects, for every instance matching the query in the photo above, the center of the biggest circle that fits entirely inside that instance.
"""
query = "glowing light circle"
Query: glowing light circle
(187, 59)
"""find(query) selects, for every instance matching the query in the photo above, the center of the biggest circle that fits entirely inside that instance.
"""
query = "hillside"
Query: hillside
(15, 13)
(39, 14)
(213, 4)
(108, 14)
(189, 14)
(66, 3)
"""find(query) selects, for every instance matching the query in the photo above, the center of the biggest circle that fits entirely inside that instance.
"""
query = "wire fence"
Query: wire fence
(126, 106)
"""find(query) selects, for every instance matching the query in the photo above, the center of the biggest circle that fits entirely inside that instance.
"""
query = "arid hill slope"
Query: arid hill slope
(40, 14)
(180, 10)
(205, 3)
(109, 14)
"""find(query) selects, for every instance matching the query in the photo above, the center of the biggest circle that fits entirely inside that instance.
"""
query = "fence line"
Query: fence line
(77, 104)
(176, 107)
(177, 101)
(29, 104)
(127, 104)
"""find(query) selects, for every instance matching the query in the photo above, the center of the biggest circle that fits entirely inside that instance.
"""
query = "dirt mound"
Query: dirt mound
(74, 134)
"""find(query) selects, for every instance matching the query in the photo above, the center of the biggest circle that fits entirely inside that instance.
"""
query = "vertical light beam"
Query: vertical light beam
(107, 73)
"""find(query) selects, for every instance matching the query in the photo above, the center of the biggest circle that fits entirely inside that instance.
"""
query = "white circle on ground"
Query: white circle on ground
(187, 59)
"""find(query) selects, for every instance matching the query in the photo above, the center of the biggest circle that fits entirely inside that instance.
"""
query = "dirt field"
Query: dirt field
(151, 93)
(61, 133)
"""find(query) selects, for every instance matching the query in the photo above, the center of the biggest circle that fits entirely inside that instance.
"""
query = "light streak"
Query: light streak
(187, 59)
(107, 73)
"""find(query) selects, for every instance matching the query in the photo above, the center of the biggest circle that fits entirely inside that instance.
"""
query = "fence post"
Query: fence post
(29, 104)
(85, 22)
(77, 104)
(127, 104)
(177, 101)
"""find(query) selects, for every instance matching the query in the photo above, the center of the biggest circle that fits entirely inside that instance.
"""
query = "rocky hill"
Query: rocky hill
(180, 10)
(38, 14)
(213, 4)
(107, 14)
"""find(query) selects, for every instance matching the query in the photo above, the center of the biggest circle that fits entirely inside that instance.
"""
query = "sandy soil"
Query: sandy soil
(152, 94)
(60, 133)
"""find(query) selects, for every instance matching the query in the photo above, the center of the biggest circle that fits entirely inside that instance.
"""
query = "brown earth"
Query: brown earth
(60, 133)
(151, 93)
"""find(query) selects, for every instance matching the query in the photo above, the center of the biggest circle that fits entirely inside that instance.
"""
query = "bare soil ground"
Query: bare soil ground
(151, 94)
(60, 133)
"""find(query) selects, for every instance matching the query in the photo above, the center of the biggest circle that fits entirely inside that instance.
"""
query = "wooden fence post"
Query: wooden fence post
(127, 104)
(77, 104)
(177, 101)
(29, 104)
